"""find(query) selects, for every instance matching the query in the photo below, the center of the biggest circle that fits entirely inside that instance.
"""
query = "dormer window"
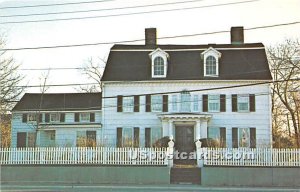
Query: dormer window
(211, 62)
(159, 66)
(211, 65)
(159, 62)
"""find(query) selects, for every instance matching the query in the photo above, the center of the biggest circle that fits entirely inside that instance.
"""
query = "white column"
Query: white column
(171, 128)
(198, 130)
(204, 128)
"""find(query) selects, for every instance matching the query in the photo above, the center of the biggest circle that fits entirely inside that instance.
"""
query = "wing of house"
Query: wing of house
(187, 92)
(63, 119)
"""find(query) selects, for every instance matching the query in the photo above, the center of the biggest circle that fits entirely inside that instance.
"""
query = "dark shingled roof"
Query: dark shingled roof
(132, 62)
(59, 101)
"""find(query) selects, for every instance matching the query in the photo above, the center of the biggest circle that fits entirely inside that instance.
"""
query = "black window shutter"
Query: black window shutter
(235, 143)
(147, 137)
(119, 103)
(76, 118)
(205, 103)
(165, 103)
(40, 117)
(136, 136)
(24, 118)
(119, 137)
(253, 137)
(62, 117)
(92, 117)
(222, 137)
(136, 103)
(148, 103)
(47, 117)
(234, 103)
(223, 103)
(252, 102)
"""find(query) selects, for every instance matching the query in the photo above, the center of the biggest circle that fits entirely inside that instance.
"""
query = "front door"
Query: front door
(184, 142)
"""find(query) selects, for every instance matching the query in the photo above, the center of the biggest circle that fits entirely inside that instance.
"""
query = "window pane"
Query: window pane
(214, 103)
(211, 65)
(185, 101)
(127, 137)
(155, 135)
(31, 117)
(156, 103)
(243, 103)
(244, 137)
(196, 103)
(158, 66)
(54, 117)
(84, 117)
(214, 133)
(174, 103)
(128, 103)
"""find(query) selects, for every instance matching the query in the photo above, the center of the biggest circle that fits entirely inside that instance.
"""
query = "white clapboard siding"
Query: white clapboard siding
(264, 157)
(83, 155)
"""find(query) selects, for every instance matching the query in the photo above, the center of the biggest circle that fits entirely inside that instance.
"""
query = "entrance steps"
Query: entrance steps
(183, 174)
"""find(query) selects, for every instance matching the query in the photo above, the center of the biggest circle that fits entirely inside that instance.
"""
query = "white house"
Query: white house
(64, 119)
(186, 92)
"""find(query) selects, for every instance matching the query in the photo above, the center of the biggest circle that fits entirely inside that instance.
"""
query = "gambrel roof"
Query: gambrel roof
(59, 102)
(238, 62)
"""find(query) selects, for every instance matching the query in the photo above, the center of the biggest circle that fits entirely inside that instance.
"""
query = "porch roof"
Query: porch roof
(184, 116)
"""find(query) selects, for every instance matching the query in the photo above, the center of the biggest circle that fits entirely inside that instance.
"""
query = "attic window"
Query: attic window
(211, 62)
(211, 65)
(159, 62)
(159, 66)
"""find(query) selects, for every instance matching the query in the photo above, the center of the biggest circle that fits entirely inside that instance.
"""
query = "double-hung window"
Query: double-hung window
(243, 103)
(32, 117)
(195, 103)
(156, 103)
(185, 101)
(174, 103)
(54, 117)
(244, 137)
(214, 103)
(84, 117)
(128, 104)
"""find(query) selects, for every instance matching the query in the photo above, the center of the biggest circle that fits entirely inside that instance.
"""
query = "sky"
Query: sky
(113, 25)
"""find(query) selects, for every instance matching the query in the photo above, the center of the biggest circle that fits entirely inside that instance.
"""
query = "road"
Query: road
(132, 188)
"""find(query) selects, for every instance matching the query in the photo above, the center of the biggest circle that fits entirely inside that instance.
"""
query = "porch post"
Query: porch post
(198, 130)
(204, 128)
(38, 138)
(170, 128)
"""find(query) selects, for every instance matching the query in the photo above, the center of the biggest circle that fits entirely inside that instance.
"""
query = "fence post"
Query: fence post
(199, 155)
(170, 152)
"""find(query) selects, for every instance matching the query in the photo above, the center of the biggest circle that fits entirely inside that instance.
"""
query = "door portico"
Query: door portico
(197, 121)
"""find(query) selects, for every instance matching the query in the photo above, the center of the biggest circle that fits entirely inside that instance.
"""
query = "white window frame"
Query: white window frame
(159, 53)
(31, 117)
(131, 129)
(195, 103)
(213, 99)
(239, 137)
(244, 98)
(81, 119)
(214, 53)
(128, 104)
(174, 103)
(185, 106)
(53, 115)
(152, 133)
(156, 103)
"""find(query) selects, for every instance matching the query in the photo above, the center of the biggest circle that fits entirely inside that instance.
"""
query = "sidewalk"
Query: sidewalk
(130, 188)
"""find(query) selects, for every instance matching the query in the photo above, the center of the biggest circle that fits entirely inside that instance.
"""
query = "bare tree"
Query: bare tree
(93, 69)
(9, 79)
(285, 66)
(9, 91)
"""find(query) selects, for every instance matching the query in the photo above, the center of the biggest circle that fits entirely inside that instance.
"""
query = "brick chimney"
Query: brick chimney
(237, 35)
(150, 36)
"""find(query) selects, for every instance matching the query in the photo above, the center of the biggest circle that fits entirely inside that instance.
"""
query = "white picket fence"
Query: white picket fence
(83, 155)
(264, 157)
